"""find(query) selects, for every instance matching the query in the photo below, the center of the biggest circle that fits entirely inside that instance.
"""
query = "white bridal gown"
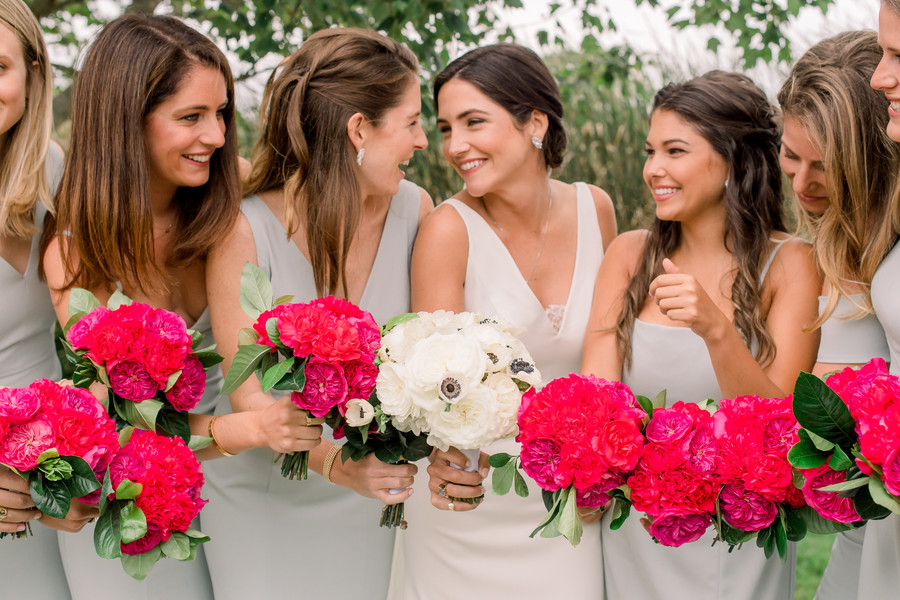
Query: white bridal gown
(279, 538)
(486, 553)
(636, 567)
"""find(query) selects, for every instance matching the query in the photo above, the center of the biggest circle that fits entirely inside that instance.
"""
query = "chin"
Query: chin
(893, 130)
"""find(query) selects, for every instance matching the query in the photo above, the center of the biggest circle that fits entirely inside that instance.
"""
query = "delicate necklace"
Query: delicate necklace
(537, 257)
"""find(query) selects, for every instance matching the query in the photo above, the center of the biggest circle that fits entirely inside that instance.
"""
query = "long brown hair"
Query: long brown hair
(734, 116)
(829, 95)
(104, 208)
(304, 147)
(23, 180)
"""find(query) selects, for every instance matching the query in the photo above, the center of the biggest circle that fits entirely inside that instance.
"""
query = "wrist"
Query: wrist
(216, 443)
(329, 466)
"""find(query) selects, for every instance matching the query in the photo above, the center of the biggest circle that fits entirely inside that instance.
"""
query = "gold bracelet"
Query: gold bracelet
(329, 462)
(215, 442)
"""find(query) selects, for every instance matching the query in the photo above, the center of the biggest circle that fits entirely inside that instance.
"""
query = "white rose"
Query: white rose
(450, 322)
(392, 387)
(508, 400)
(501, 325)
(467, 424)
(359, 412)
(432, 358)
(495, 344)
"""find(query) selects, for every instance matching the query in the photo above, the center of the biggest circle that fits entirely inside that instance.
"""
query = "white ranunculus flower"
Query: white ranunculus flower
(495, 344)
(467, 424)
(508, 400)
(359, 412)
(448, 322)
(392, 387)
(501, 325)
(432, 358)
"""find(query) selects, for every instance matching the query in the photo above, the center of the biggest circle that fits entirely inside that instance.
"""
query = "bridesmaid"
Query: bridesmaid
(327, 212)
(521, 245)
(842, 167)
(879, 575)
(150, 183)
(30, 165)
(712, 302)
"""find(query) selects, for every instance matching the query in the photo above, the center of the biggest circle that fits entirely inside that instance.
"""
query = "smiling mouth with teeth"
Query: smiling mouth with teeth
(467, 166)
(201, 158)
(664, 191)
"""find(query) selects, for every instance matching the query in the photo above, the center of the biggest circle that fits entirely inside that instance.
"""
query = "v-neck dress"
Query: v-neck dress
(677, 360)
(278, 538)
(486, 553)
(27, 353)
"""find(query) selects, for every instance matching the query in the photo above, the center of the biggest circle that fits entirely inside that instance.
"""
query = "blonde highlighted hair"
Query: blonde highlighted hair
(23, 180)
(304, 147)
(828, 94)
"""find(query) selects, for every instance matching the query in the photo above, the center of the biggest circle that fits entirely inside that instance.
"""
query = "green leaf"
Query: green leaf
(620, 512)
(272, 331)
(795, 525)
(554, 499)
(256, 291)
(521, 485)
(208, 357)
(117, 299)
(178, 546)
(780, 539)
(397, 320)
(173, 378)
(138, 414)
(132, 521)
(881, 496)
(244, 363)
(659, 401)
(83, 480)
(804, 455)
(817, 440)
(50, 497)
(646, 404)
(820, 410)
(247, 336)
(128, 490)
(283, 299)
(106, 535)
(82, 302)
(199, 442)
(274, 374)
(866, 507)
(498, 460)
(174, 423)
(140, 565)
(839, 461)
(850, 484)
(502, 478)
(569, 521)
(199, 536)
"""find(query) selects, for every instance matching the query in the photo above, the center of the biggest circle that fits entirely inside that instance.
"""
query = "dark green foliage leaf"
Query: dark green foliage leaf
(733, 536)
(132, 521)
(822, 411)
(498, 460)
(839, 461)
(502, 478)
(140, 565)
(83, 480)
(804, 455)
(881, 496)
(244, 363)
(208, 357)
(128, 490)
(817, 524)
(276, 373)
(866, 507)
(795, 525)
(178, 546)
(174, 423)
(294, 381)
(646, 404)
(520, 484)
(50, 497)
(549, 498)
(106, 535)
(621, 510)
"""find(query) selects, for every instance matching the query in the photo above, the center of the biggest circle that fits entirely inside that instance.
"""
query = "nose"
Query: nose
(883, 79)
(213, 133)
(421, 140)
(653, 167)
(455, 143)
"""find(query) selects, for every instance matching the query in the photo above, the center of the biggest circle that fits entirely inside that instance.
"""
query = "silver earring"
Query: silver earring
(726, 183)
(359, 156)
(537, 142)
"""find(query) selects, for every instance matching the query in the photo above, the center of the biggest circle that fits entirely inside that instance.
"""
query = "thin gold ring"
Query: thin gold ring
(450, 507)
(4, 512)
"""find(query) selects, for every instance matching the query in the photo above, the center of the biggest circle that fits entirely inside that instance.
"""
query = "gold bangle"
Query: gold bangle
(329, 462)
(215, 442)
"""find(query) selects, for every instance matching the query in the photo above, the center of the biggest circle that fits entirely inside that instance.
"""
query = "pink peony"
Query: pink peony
(745, 509)
(325, 387)
(130, 380)
(620, 444)
(190, 385)
(668, 426)
(18, 404)
(701, 449)
(168, 326)
(829, 505)
(892, 472)
(598, 494)
(361, 376)
(674, 529)
(541, 461)
(25, 442)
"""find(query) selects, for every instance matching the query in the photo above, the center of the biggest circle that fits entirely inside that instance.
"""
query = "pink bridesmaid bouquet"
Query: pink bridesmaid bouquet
(59, 439)
(323, 352)
(581, 438)
(849, 447)
(150, 495)
(146, 357)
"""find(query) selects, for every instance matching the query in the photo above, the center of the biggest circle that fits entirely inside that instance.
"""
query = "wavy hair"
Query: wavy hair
(304, 147)
(829, 95)
(734, 116)
(103, 204)
(518, 80)
(23, 180)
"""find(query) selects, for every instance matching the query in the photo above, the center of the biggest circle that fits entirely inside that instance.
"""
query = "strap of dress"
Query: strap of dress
(765, 269)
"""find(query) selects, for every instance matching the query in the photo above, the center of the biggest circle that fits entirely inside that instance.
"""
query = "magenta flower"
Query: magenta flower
(667, 426)
(674, 529)
(24, 443)
(746, 509)
(189, 388)
(541, 460)
(828, 504)
(598, 494)
(701, 450)
(325, 387)
(892, 472)
(168, 325)
(129, 379)
(79, 332)
(18, 404)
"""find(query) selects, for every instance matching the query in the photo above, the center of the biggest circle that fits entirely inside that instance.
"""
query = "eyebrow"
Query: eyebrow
(668, 142)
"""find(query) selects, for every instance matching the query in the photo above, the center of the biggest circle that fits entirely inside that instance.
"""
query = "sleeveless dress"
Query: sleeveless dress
(635, 567)
(27, 353)
(852, 341)
(879, 575)
(94, 578)
(277, 538)
(486, 553)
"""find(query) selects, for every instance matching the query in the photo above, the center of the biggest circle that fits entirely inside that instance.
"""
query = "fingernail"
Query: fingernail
(411, 492)
(484, 472)
(20, 527)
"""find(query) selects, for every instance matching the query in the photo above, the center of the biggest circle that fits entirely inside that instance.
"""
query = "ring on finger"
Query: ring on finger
(4, 512)
(442, 489)
(450, 507)
(308, 420)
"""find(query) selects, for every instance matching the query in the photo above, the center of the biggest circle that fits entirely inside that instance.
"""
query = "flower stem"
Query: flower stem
(295, 465)
(393, 516)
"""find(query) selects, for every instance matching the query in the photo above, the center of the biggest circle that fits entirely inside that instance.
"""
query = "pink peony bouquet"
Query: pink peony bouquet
(59, 439)
(146, 357)
(849, 447)
(581, 439)
(150, 495)
(323, 352)
(726, 468)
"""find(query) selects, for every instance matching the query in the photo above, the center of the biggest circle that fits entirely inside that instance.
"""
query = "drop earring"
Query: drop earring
(359, 156)
(537, 142)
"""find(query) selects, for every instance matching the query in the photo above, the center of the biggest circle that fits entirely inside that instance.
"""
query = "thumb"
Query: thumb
(670, 267)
